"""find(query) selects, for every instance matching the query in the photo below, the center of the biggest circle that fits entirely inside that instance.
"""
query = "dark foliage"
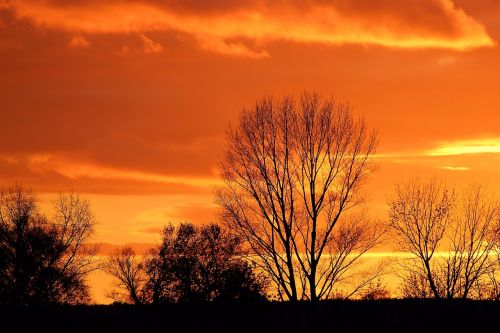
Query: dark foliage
(42, 260)
(192, 264)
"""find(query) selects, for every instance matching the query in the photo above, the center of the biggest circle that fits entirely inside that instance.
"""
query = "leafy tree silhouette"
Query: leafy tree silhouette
(191, 265)
(42, 260)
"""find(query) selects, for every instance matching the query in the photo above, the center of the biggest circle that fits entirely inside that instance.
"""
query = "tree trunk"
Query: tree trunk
(431, 280)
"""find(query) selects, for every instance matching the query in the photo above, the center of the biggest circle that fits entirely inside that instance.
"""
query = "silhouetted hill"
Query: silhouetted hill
(328, 316)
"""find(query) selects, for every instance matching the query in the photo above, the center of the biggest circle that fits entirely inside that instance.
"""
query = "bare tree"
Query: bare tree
(493, 289)
(425, 218)
(292, 171)
(414, 282)
(420, 213)
(472, 242)
(127, 269)
(44, 261)
(494, 275)
(73, 224)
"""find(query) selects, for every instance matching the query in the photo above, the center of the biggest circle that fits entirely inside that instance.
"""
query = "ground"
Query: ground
(329, 316)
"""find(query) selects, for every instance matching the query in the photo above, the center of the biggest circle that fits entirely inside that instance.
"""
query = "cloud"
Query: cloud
(79, 41)
(455, 168)
(45, 163)
(229, 48)
(407, 24)
(54, 173)
(155, 217)
(446, 60)
(446, 149)
(473, 146)
(149, 46)
(153, 220)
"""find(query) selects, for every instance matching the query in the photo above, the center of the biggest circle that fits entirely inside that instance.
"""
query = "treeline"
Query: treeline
(292, 226)
(192, 264)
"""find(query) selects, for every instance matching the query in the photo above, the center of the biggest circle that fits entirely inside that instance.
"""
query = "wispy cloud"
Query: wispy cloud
(230, 48)
(474, 146)
(79, 41)
(46, 164)
(445, 149)
(455, 168)
(149, 46)
(77, 169)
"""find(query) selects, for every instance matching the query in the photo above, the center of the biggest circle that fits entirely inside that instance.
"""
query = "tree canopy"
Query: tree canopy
(43, 259)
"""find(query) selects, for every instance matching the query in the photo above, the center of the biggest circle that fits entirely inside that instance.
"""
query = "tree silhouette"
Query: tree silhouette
(192, 264)
(44, 261)
(472, 241)
(493, 289)
(293, 171)
(419, 215)
(127, 270)
(453, 241)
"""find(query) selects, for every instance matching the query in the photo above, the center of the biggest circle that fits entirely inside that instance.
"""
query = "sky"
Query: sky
(127, 102)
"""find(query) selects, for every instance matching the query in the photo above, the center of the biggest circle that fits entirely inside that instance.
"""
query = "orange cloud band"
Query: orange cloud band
(401, 24)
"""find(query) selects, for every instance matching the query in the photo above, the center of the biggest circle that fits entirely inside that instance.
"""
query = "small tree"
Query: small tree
(472, 241)
(127, 270)
(44, 260)
(494, 275)
(426, 217)
(419, 215)
(493, 287)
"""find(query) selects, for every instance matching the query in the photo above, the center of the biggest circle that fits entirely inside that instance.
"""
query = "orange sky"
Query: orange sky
(126, 102)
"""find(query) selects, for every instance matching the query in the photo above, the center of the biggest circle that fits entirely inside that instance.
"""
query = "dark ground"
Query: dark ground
(327, 316)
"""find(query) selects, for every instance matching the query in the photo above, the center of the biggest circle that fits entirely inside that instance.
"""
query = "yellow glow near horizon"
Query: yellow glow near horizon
(455, 168)
(480, 146)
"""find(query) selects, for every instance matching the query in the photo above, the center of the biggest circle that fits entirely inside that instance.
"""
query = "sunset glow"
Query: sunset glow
(491, 146)
(128, 102)
(337, 23)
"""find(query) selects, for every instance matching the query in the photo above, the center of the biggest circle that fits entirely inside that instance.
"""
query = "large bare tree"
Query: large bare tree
(293, 170)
